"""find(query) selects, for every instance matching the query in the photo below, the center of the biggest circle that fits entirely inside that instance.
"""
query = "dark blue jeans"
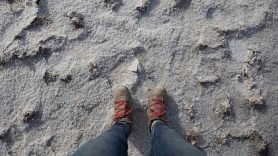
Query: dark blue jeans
(165, 141)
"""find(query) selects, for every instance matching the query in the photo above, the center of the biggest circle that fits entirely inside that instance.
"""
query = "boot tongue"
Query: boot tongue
(157, 96)
(120, 98)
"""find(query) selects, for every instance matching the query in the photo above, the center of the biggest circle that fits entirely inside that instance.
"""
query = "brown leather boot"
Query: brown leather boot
(122, 107)
(157, 105)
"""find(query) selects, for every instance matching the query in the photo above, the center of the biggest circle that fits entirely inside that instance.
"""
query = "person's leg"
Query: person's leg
(166, 141)
(113, 142)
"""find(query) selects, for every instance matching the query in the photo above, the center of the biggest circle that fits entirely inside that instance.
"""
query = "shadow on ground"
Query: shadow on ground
(173, 117)
(140, 136)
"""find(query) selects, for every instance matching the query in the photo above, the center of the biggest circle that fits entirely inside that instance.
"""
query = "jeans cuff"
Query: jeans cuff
(127, 125)
(156, 123)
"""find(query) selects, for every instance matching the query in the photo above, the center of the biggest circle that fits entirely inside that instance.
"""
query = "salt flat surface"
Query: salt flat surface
(61, 60)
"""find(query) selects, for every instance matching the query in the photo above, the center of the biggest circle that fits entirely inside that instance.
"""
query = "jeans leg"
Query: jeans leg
(166, 141)
(113, 142)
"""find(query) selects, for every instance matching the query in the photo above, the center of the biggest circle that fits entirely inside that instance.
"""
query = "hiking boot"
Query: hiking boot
(122, 105)
(157, 105)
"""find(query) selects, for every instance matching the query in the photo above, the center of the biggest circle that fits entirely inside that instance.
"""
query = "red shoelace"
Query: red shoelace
(155, 110)
(121, 111)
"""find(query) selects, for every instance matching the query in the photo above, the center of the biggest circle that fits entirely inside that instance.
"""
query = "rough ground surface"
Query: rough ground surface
(61, 60)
